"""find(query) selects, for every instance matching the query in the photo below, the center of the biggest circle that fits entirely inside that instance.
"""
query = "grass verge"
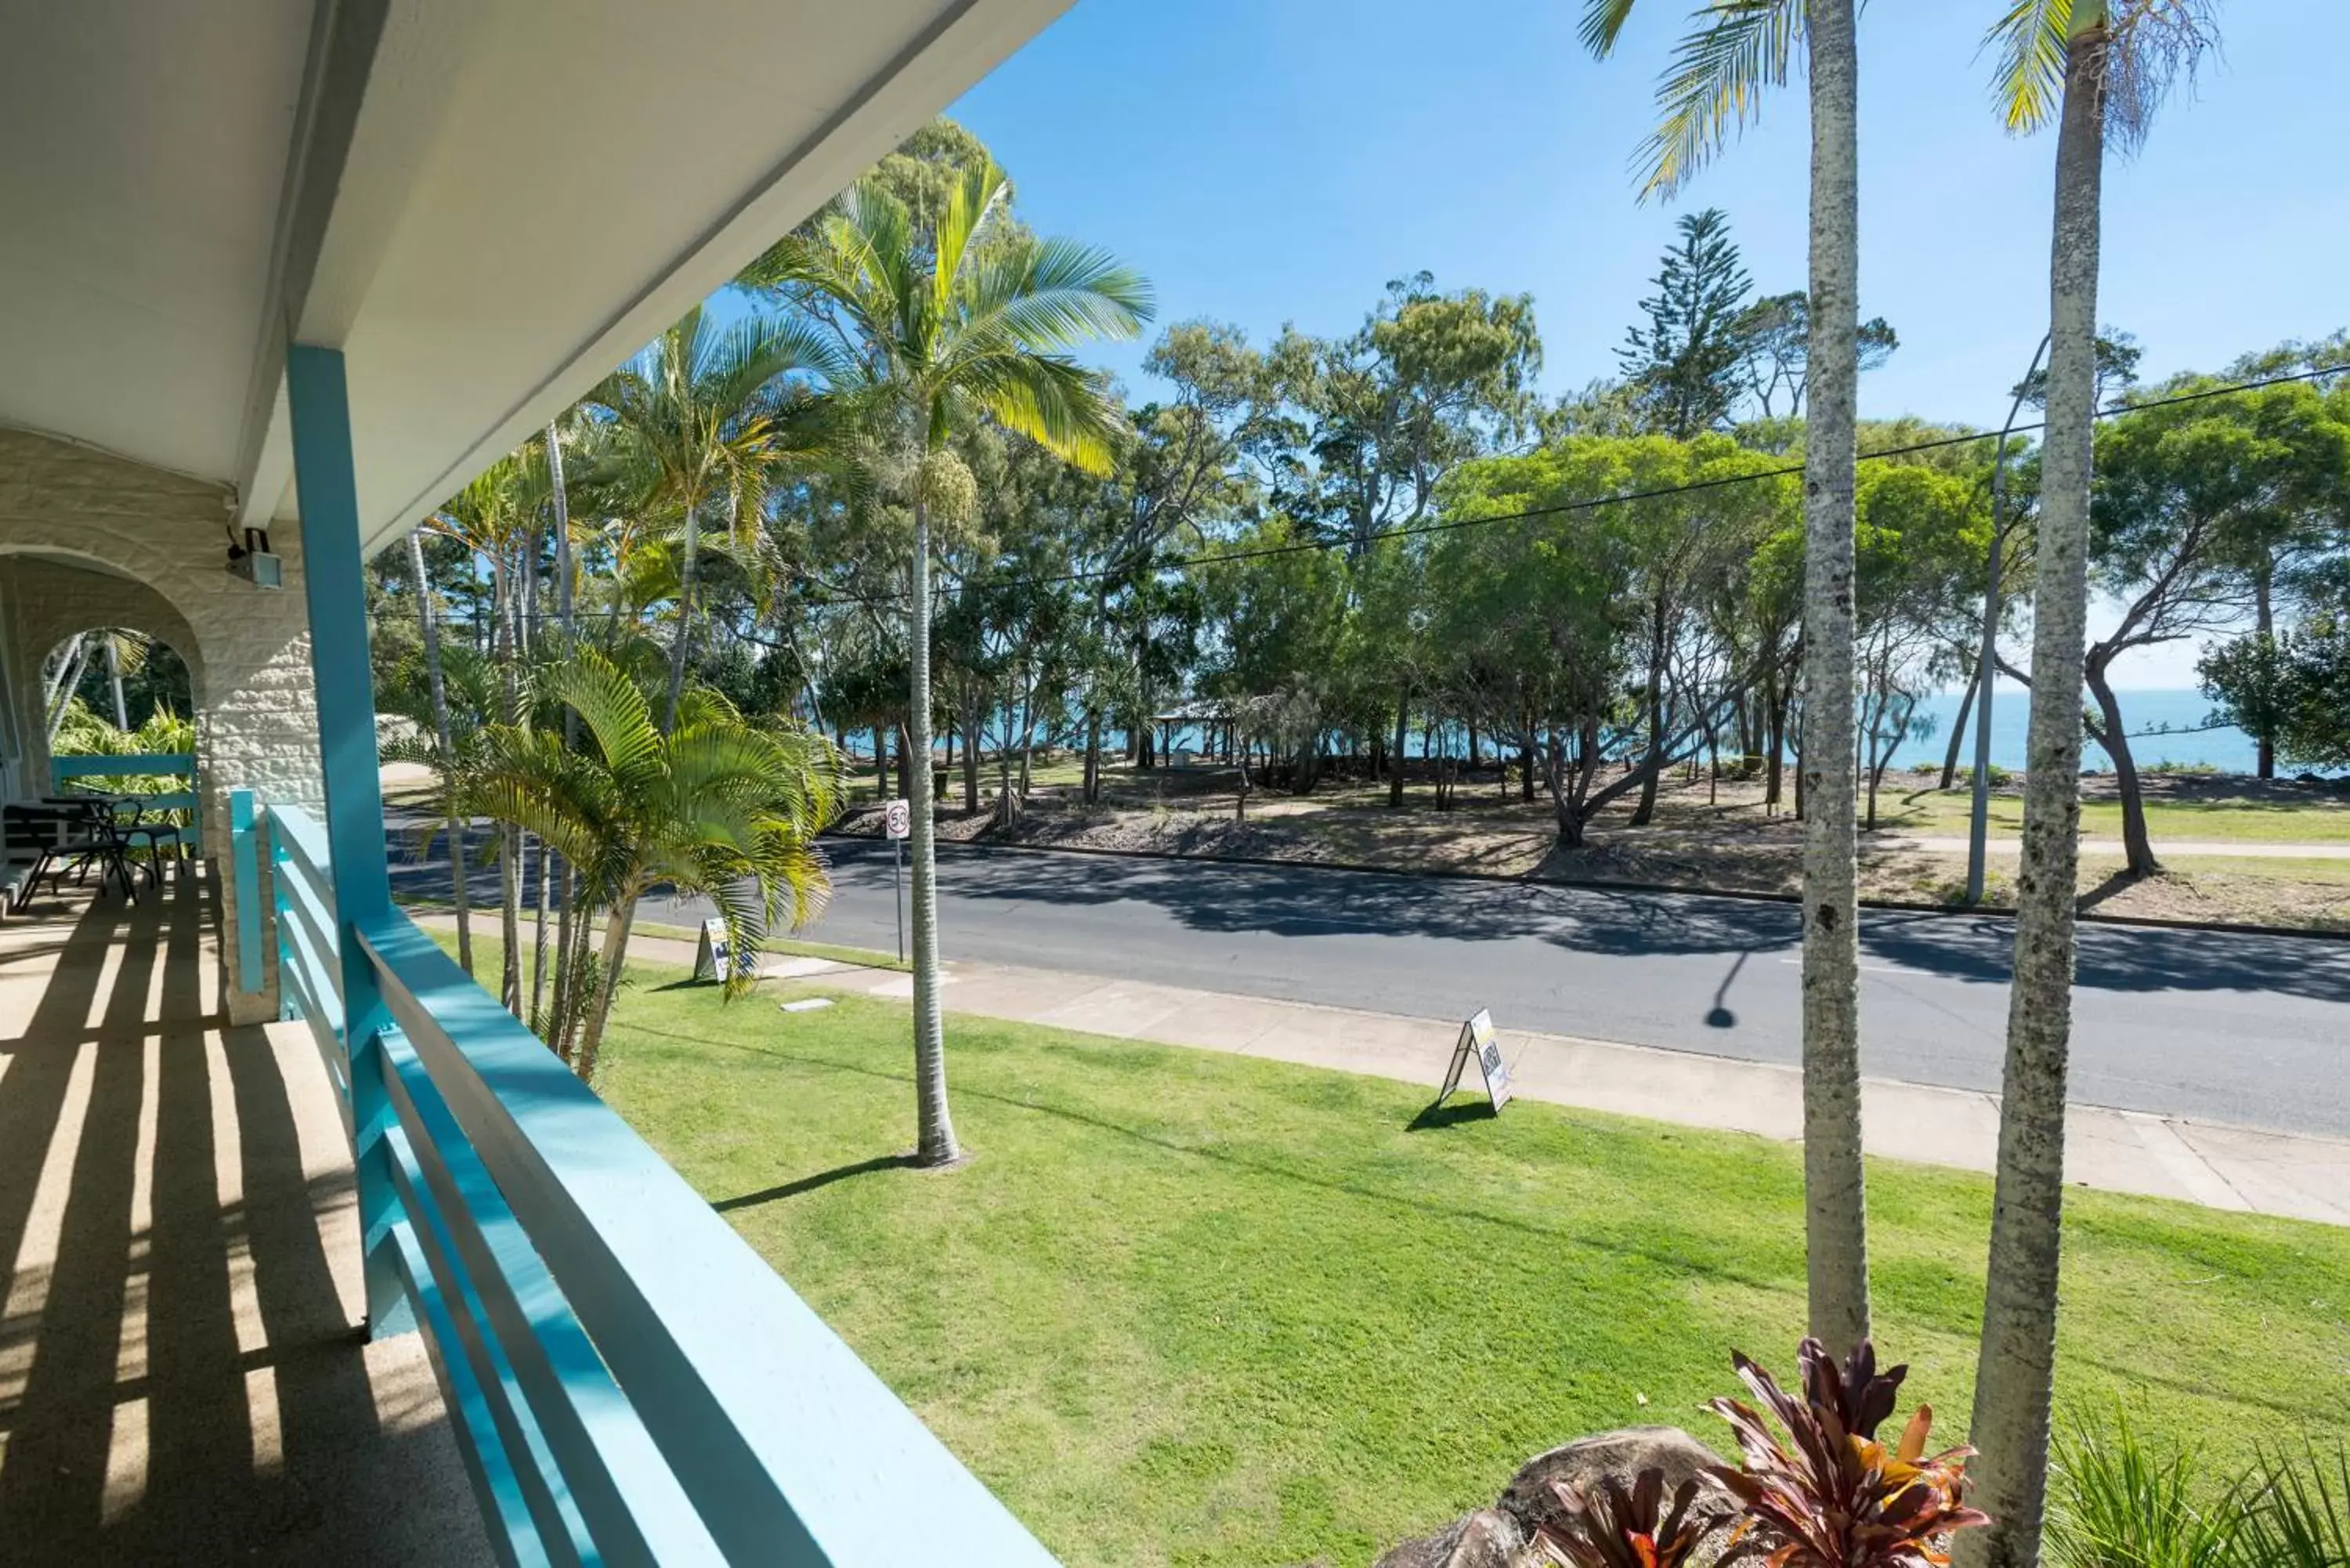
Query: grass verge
(1187, 1307)
(789, 947)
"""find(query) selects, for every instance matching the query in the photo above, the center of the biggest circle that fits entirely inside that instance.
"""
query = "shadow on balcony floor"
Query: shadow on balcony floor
(180, 1381)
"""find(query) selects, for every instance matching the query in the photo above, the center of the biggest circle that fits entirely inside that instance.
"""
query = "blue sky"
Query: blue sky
(1266, 161)
(1270, 161)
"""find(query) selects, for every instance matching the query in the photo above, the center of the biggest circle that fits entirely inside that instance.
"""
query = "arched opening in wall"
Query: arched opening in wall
(119, 706)
(115, 689)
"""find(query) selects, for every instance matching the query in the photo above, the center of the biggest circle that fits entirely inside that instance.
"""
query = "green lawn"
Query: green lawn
(1188, 1307)
(1903, 807)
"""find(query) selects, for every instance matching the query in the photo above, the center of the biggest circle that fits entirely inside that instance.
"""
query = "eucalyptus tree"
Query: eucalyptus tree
(2201, 514)
(1711, 90)
(1184, 470)
(707, 418)
(1773, 344)
(1554, 606)
(1368, 425)
(2094, 68)
(965, 318)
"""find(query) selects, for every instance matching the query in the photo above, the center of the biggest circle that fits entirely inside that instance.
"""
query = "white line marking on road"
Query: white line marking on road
(1867, 968)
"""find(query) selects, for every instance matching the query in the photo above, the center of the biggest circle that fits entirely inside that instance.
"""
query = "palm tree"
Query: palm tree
(2097, 67)
(558, 494)
(1735, 48)
(704, 418)
(717, 806)
(495, 518)
(436, 680)
(970, 319)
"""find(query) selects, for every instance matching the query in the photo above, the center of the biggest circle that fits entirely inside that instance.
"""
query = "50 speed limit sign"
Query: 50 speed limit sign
(897, 819)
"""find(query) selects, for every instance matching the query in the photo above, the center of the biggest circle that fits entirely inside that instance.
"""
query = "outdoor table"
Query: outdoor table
(109, 806)
(55, 836)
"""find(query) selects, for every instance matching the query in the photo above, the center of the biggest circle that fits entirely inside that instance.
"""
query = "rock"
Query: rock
(1488, 1538)
(1581, 1464)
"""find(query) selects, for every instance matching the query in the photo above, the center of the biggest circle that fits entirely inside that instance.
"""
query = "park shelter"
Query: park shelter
(308, 1252)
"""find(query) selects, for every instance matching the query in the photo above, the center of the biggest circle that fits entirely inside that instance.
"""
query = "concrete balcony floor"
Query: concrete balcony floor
(180, 1380)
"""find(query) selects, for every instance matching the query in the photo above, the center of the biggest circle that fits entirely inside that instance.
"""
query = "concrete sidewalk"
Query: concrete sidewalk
(2237, 848)
(2215, 1165)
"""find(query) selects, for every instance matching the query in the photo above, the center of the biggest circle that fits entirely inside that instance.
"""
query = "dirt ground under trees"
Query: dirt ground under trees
(2274, 853)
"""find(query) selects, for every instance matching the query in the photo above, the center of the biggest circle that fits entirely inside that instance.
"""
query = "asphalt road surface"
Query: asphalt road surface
(2248, 1029)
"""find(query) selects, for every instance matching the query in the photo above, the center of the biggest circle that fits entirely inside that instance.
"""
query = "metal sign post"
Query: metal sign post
(1479, 1040)
(897, 821)
(713, 957)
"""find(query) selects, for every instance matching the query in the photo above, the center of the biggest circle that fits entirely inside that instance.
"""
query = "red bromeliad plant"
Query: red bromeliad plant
(1613, 1527)
(1830, 1495)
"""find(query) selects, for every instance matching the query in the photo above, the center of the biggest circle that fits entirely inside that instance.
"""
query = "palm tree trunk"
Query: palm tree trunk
(2014, 1378)
(67, 681)
(573, 973)
(539, 940)
(1834, 1190)
(503, 650)
(122, 709)
(430, 628)
(617, 926)
(560, 497)
(937, 1144)
(689, 567)
(67, 663)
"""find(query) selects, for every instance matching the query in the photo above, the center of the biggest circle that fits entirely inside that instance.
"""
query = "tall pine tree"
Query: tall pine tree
(1684, 366)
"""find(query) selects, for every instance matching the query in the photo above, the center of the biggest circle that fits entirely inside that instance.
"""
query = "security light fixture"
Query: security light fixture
(252, 560)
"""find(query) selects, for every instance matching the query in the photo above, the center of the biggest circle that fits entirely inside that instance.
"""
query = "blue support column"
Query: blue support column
(333, 580)
(245, 861)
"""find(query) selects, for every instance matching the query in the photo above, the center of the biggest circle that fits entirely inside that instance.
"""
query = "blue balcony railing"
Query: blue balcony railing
(73, 770)
(628, 1382)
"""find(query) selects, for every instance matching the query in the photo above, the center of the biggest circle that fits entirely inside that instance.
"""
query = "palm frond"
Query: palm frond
(1053, 402)
(613, 708)
(1053, 294)
(2032, 38)
(975, 199)
(1603, 22)
(1712, 89)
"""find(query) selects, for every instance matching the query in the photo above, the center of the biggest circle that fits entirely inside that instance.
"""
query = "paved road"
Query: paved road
(2246, 1029)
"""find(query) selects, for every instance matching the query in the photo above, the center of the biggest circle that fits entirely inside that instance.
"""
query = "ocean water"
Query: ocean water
(2165, 727)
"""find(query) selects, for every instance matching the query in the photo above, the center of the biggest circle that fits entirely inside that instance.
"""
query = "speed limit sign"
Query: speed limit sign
(897, 819)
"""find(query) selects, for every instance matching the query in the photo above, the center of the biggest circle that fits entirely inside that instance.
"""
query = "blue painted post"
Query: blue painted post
(244, 859)
(334, 583)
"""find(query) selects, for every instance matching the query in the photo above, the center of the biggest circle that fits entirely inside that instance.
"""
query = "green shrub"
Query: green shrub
(2116, 1501)
(2297, 1514)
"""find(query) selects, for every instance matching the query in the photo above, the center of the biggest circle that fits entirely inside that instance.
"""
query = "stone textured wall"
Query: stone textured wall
(90, 539)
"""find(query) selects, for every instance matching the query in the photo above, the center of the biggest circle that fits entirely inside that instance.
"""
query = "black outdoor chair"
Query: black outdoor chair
(56, 839)
(134, 830)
